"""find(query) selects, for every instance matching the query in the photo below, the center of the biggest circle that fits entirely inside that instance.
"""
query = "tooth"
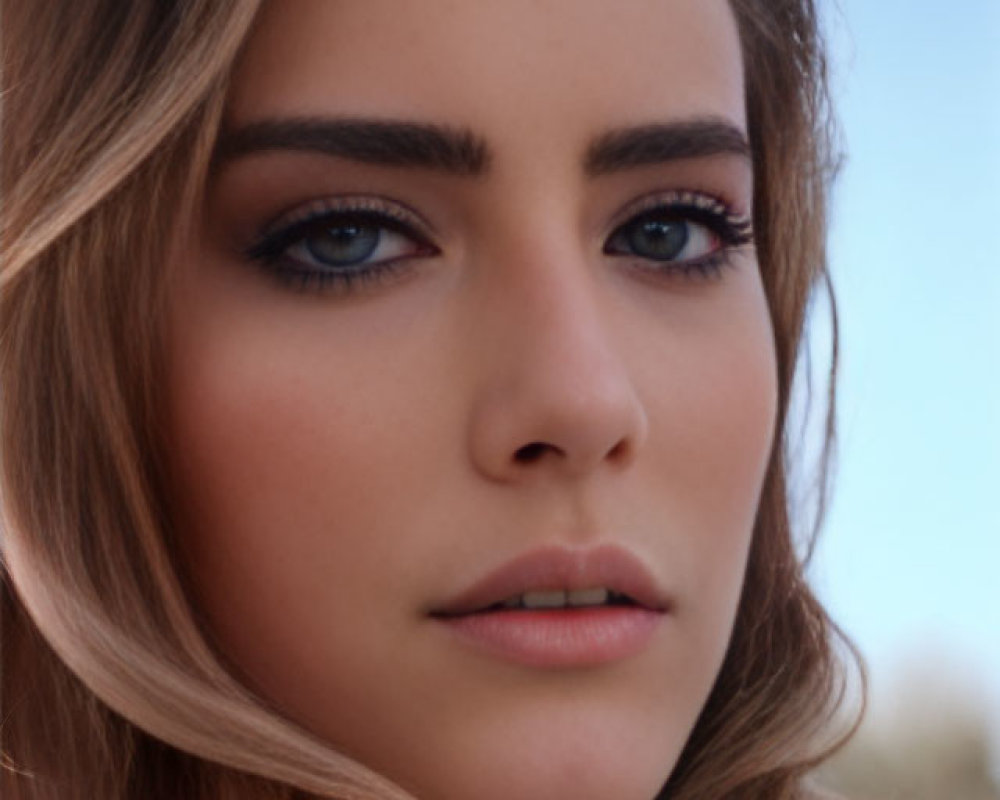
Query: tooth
(555, 599)
(587, 597)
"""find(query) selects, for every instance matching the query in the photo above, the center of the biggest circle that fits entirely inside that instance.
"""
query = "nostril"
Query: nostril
(619, 451)
(531, 452)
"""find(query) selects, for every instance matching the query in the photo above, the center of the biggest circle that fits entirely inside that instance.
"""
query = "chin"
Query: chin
(557, 774)
(575, 756)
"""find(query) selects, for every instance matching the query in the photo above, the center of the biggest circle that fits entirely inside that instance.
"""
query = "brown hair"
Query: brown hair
(109, 688)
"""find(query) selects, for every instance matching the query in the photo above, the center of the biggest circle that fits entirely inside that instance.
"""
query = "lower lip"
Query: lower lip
(582, 637)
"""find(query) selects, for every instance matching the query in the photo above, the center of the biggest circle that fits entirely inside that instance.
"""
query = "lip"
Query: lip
(559, 638)
(561, 568)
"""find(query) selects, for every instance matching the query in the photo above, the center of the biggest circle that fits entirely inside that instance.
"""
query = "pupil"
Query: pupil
(343, 245)
(659, 239)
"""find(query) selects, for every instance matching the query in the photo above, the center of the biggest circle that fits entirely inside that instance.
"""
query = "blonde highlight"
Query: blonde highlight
(91, 590)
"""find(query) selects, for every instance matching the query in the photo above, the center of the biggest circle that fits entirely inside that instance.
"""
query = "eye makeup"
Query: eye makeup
(341, 245)
(345, 245)
(658, 233)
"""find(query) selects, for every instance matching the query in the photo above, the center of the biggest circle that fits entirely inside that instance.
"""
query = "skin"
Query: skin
(344, 462)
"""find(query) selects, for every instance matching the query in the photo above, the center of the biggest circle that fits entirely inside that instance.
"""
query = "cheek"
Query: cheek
(288, 419)
(282, 469)
(715, 403)
(719, 425)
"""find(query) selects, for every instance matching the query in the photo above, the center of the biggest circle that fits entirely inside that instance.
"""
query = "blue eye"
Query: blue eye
(347, 242)
(340, 249)
(661, 238)
(684, 232)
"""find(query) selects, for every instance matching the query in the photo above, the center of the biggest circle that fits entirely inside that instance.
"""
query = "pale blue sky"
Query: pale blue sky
(910, 557)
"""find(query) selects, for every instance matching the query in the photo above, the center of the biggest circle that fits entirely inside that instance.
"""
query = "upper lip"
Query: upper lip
(561, 568)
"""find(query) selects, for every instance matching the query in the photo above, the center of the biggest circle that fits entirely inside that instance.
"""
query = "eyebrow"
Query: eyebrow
(656, 144)
(386, 143)
(461, 152)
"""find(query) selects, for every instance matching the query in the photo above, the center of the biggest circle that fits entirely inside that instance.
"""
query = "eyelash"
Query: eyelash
(729, 230)
(272, 248)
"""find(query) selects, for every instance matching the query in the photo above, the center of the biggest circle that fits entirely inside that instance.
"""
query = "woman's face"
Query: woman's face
(472, 322)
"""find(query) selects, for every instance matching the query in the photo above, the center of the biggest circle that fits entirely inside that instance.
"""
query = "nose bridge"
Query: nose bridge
(540, 285)
(566, 341)
(555, 391)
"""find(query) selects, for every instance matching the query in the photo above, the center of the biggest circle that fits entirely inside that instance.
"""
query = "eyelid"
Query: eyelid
(707, 202)
(316, 209)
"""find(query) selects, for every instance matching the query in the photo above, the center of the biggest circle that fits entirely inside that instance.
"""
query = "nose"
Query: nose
(555, 396)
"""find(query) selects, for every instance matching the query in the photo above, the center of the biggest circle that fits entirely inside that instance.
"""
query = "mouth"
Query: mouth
(563, 599)
(558, 608)
(561, 578)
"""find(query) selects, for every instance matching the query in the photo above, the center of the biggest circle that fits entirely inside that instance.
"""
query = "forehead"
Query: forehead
(518, 71)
